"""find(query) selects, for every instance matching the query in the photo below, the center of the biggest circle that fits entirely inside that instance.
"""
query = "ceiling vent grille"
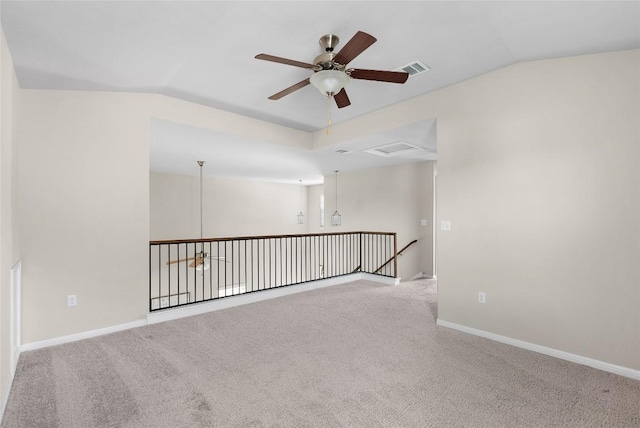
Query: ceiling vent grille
(415, 67)
(394, 149)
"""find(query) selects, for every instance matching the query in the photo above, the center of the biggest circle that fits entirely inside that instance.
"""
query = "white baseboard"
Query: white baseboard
(204, 307)
(421, 275)
(79, 336)
(59, 341)
(596, 364)
(381, 279)
(244, 299)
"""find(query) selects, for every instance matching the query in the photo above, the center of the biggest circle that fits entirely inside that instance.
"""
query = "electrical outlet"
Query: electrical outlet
(423, 222)
(72, 300)
(482, 297)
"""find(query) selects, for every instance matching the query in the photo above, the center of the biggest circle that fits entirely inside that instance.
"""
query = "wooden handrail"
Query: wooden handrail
(247, 238)
(394, 257)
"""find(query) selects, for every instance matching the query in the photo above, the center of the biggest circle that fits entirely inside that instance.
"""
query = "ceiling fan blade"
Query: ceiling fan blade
(380, 76)
(341, 98)
(197, 262)
(290, 89)
(170, 262)
(354, 47)
(286, 61)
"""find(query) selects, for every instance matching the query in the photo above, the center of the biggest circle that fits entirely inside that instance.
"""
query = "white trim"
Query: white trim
(378, 278)
(79, 336)
(15, 306)
(244, 299)
(64, 339)
(171, 314)
(596, 364)
(421, 275)
(227, 302)
(15, 316)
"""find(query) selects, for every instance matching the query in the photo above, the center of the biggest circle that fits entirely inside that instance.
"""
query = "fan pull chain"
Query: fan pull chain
(329, 97)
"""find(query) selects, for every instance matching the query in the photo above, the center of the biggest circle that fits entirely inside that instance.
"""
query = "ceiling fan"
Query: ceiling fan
(330, 72)
(199, 259)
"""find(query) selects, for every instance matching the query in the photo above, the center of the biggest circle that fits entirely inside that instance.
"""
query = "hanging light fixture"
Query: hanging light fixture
(336, 218)
(300, 215)
(329, 82)
(201, 263)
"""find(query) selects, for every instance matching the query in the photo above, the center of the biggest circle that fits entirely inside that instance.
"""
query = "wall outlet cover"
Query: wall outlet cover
(72, 300)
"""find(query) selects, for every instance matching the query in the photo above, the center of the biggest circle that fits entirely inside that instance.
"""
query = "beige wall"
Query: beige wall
(539, 173)
(84, 202)
(388, 199)
(230, 207)
(382, 199)
(83, 190)
(313, 208)
(545, 215)
(8, 207)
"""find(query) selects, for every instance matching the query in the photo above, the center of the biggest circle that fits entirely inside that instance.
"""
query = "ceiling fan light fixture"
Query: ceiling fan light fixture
(203, 266)
(329, 82)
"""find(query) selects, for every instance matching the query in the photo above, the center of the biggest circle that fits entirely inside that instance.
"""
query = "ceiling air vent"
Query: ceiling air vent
(394, 149)
(415, 67)
(343, 151)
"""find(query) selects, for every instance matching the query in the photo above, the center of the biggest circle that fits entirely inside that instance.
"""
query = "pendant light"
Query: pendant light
(300, 215)
(336, 218)
(201, 258)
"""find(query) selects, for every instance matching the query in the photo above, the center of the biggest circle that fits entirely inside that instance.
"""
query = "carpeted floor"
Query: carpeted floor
(353, 355)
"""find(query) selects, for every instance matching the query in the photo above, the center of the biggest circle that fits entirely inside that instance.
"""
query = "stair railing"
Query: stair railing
(395, 257)
(183, 272)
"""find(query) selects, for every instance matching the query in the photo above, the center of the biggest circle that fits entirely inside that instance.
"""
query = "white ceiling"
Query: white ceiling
(204, 52)
(175, 147)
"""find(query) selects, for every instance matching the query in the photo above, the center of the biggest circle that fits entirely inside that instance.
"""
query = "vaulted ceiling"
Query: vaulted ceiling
(204, 51)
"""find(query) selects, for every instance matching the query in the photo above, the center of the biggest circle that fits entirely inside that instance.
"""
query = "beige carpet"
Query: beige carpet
(353, 355)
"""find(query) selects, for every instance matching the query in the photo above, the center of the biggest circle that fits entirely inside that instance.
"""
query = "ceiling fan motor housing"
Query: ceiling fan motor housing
(325, 61)
(329, 42)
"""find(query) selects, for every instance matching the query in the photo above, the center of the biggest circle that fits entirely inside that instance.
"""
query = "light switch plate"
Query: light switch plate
(423, 222)
(445, 225)
(482, 297)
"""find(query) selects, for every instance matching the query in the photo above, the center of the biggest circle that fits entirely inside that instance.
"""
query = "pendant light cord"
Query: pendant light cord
(336, 190)
(201, 163)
